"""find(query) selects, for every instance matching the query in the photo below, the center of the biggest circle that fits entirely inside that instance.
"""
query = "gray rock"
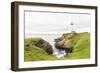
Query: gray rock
(44, 45)
(64, 44)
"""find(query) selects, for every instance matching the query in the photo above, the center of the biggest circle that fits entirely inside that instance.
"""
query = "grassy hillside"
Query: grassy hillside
(80, 43)
(34, 53)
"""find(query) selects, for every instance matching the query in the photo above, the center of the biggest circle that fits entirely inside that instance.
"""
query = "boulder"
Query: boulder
(44, 45)
(64, 43)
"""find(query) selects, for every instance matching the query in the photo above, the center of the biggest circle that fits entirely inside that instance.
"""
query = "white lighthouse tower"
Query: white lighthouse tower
(72, 30)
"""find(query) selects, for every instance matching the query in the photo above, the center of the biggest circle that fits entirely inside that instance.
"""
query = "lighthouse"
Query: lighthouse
(72, 30)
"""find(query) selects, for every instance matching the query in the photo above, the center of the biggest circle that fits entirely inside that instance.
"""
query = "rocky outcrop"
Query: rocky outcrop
(44, 45)
(64, 43)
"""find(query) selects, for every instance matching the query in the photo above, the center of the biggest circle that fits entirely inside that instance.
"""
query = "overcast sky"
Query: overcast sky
(56, 22)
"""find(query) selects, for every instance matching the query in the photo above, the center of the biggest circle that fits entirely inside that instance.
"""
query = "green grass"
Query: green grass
(34, 53)
(81, 46)
(80, 42)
